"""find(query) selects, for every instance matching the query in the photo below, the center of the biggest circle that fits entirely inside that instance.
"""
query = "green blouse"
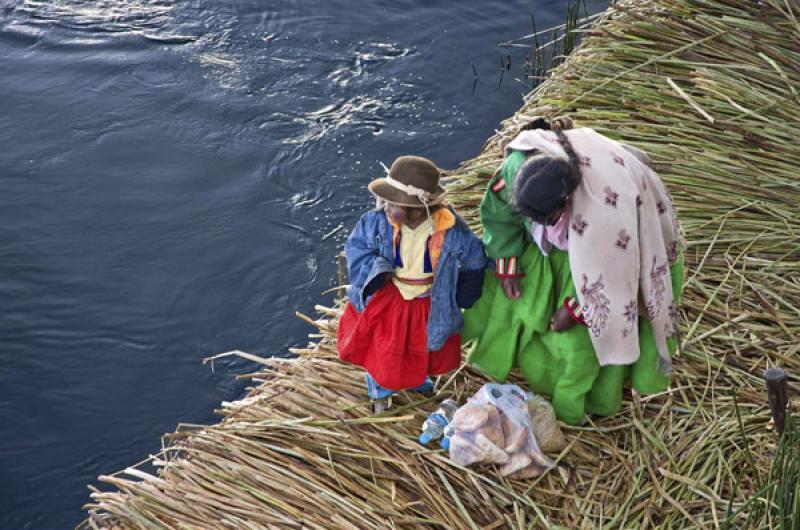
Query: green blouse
(506, 234)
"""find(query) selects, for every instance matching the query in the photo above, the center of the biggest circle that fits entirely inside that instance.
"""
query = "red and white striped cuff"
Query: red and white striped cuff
(507, 268)
(499, 185)
(574, 309)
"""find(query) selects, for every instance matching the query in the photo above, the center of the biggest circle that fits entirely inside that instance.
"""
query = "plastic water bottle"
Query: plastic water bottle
(444, 443)
(433, 428)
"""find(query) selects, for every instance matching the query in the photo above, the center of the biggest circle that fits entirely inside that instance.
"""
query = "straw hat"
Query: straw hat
(412, 181)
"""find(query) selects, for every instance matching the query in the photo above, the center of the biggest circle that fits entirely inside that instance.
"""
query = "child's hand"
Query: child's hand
(511, 287)
(562, 320)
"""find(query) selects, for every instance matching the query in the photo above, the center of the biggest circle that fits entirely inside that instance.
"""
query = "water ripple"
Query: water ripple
(99, 15)
(371, 53)
(359, 111)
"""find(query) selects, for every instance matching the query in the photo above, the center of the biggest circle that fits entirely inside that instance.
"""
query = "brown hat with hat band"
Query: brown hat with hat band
(412, 181)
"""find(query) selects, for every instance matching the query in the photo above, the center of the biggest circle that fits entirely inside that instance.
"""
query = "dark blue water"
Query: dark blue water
(168, 173)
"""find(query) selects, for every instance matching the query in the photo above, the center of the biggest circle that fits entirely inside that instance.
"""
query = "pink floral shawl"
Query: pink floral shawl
(623, 237)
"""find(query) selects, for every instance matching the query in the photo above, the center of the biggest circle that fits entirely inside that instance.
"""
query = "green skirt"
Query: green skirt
(516, 334)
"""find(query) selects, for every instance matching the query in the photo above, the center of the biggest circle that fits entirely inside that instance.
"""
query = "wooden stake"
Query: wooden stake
(341, 293)
(777, 379)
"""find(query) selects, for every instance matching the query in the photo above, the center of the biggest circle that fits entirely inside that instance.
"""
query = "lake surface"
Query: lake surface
(175, 180)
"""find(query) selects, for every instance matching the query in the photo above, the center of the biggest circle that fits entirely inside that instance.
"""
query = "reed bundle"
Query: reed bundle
(710, 89)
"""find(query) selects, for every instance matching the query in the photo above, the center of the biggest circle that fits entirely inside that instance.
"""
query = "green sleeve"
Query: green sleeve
(503, 229)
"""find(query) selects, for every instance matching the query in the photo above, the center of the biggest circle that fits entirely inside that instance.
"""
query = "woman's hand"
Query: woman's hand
(561, 320)
(511, 287)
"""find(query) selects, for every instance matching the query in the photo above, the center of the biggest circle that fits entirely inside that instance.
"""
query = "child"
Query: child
(412, 263)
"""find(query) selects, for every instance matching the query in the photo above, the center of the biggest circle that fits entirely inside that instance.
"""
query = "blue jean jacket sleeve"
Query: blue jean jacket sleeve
(470, 275)
(365, 265)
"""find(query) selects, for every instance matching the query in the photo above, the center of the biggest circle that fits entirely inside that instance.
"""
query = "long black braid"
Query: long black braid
(572, 156)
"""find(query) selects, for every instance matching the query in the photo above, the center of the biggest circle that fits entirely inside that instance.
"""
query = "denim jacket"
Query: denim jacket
(458, 278)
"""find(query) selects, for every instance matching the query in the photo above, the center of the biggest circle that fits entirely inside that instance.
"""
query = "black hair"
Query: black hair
(536, 123)
(572, 156)
(543, 183)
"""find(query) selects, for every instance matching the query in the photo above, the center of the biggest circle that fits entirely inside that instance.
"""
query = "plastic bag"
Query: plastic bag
(543, 419)
(495, 427)
(480, 435)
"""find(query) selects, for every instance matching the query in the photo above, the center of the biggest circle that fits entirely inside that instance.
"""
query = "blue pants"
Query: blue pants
(376, 391)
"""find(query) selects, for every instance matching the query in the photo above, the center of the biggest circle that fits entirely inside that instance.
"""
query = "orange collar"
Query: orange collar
(443, 219)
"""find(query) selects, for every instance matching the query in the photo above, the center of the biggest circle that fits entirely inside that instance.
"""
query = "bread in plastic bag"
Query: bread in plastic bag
(494, 427)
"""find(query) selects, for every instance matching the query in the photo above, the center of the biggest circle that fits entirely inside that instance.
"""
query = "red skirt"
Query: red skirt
(389, 340)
